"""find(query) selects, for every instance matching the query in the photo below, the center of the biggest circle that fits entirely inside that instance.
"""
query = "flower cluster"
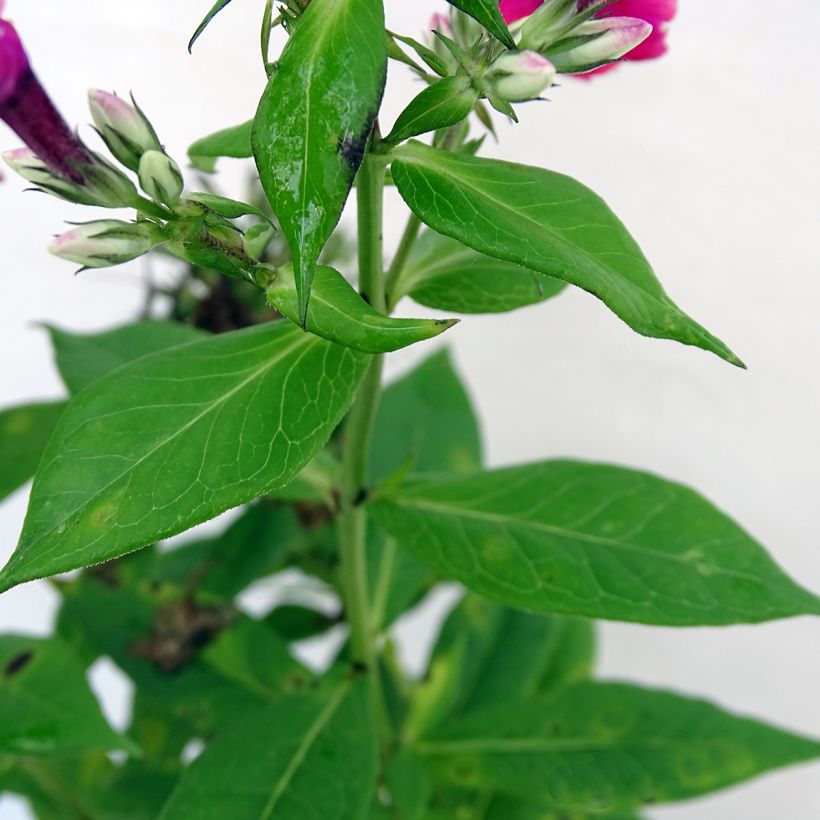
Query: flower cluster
(623, 20)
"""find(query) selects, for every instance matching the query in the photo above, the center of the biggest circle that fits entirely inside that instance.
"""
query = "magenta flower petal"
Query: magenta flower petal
(27, 110)
(13, 61)
(513, 10)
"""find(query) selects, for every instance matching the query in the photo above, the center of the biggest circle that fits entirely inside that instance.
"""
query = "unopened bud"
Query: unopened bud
(597, 42)
(546, 24)
(160, 177)
(123, 127)
(95, 182)
(102, 243)
(517, 76)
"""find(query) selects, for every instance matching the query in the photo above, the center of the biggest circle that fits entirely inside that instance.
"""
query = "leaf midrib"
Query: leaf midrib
(258, 373)
(597, 540)
(310, 737)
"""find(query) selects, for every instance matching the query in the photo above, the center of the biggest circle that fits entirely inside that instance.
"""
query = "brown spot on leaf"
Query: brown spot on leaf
(19, 662)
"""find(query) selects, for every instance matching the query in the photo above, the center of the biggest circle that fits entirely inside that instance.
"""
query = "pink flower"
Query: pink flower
(656, 12)
(516, 9)
(27, 110)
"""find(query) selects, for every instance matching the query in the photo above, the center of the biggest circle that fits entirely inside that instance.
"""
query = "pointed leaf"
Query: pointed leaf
(305, 756)
(232, 142)
(488, 14)
(609, 746)
(592, 540)
(24, 433)
(46, 707)
(84, 358)
(176, 438)
(215, 9)
(444, 274)
(337, 313)
(314, 120)
(546, 222)
(442, 104)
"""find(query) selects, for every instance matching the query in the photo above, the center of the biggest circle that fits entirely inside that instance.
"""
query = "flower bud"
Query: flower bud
(547, 24)
(160, 177)
(95, 182)
(103, 243)
(597, 42)
(517, 76)
(123, 127)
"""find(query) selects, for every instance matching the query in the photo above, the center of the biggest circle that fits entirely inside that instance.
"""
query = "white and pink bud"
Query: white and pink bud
(598, 41)
(103, 243)
(123, 127)
(517, 76)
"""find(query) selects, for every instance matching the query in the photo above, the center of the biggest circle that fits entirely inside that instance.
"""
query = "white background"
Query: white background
(710, 156)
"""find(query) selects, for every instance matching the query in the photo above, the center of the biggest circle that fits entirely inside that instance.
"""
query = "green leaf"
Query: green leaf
(24, 433)
(254, 656)
(157, 638)
(474, 805)
(46, 707)
(259, 543)
(234, 142)
(310, 755)
(314, 120)
(408, 785)
(229, 208)
(82, 359)
(178, 437)
(337, 313)
(444, 274)
(488, 14)
(442, 104)
(592, 540)
(488, 654)
(89, 786)
(505, 808)
(426, 419)
(215, 9)
(609, 746)
(546, 222)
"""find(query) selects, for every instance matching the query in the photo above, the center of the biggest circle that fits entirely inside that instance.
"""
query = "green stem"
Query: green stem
(150, 208)
(370, 194)
(358, 434)
(408, 240)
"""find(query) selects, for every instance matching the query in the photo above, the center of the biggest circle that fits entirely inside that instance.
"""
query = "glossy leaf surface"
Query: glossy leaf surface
(84, 358)
(609, 746)
(305, 756)
(546, 222)
(444, 103)
(142, 454)
(488, 14)
(46, 706)
(337, 313)
(592, 540)
(24, 433)
(314, 121)
(444, 274)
